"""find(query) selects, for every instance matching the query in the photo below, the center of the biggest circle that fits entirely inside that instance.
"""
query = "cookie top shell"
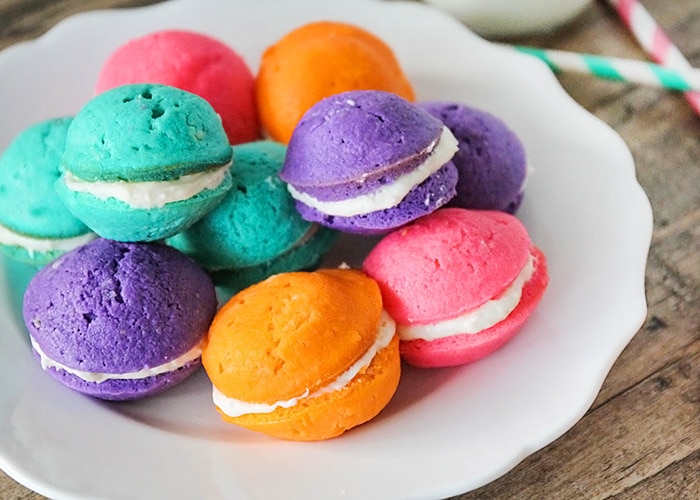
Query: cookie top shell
(491, 159)
(144, 132)
(448, 263)
(358, 136)
(29, 168)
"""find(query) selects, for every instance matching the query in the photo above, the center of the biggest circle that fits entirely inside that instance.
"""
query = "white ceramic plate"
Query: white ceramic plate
(446, 431)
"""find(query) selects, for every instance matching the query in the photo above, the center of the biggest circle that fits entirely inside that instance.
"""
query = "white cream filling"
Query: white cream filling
(170, 366)
(32, 245)
(475, 321)
(235, 407)
(389, 195)
(150, 194)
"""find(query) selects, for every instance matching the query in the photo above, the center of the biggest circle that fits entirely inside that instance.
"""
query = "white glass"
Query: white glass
(501, 18)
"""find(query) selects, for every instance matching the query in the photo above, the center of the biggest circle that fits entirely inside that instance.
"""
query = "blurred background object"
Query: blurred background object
(504, 18)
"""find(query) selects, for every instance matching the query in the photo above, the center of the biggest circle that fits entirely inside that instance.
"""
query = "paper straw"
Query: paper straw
(653, 40)
(615, 68)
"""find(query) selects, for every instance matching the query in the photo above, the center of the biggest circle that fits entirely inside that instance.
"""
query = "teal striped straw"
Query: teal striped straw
(618, 69)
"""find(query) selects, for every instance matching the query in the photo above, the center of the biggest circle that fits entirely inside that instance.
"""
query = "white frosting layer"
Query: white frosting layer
(389, 195)
(170, 366)
(483, 317)
(32, 245)
(236, 407)
(150, 194)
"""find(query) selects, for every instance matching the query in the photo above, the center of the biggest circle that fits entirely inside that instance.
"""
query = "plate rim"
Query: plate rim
(645, 232)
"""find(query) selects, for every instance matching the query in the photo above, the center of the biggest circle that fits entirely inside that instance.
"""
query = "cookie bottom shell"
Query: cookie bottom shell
(425, 198)
(466, 348)
(123, 389)
(331, 414)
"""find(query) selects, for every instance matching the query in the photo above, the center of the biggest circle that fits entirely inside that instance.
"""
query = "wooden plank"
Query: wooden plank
(679, 481)
(26, 19)
(10, 490)
(673, 324)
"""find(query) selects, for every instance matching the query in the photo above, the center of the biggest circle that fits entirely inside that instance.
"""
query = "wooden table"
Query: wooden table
(641, 437)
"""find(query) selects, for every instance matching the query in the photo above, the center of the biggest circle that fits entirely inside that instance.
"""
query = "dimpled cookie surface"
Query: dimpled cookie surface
(318, 60)
(255, 222)
(144, 132)
(491, 160)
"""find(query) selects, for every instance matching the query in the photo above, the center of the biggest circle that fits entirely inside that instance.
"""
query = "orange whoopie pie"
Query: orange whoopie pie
(303, 356)
(318, 60)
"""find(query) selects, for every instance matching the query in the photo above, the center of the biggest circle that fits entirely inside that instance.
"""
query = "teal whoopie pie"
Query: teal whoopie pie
(35, 226)
(256, 230)
(144, 161)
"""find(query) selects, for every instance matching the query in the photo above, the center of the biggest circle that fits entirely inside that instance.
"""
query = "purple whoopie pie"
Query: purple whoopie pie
(119, 321)
(367, 162)
(491, 161)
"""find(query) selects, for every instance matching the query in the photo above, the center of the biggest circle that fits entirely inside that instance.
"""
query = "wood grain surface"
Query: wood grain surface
(641, 437)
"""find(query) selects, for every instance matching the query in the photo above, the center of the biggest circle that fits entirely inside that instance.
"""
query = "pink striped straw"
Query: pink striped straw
(654, 41)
